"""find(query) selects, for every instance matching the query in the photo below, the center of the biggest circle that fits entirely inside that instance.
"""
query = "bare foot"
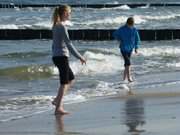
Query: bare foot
(61, 112)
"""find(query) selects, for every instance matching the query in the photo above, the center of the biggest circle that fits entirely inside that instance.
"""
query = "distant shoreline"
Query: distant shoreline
(131, 5)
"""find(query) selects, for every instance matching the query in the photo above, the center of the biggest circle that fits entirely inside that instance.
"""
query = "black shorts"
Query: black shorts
(127, 58)
(65, 73)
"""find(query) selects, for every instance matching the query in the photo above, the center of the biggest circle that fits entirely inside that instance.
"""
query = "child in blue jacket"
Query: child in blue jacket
(129, 40)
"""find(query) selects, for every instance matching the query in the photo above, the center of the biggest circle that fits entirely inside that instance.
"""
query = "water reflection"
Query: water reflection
(134, 114)
(62, 129)
(59, 125)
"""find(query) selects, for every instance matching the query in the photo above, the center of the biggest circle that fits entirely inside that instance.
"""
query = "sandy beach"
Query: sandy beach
(143, 113)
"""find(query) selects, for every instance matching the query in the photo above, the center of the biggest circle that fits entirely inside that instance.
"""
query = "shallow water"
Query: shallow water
(29, 80)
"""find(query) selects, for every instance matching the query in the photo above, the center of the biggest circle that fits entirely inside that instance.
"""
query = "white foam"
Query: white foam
(42, 25)
(54, 70)
(116, 20)
(160, 50)
(25, 26)
(139, 19)
(30, 8)
(123, 7)
(22, 107)
(73, 98)
(177, 65)
(98, 63)
(124, 86)
(106, 20)
(45, 24)
(160, 17)
(104, 89)
(8, 26)
(68, 23)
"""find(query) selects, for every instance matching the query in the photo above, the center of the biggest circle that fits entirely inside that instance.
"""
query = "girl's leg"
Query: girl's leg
(129, 74)
(125, 73)
(58, 100)
(127, 64)
(66, 80)
(54, 102)
(59, 103)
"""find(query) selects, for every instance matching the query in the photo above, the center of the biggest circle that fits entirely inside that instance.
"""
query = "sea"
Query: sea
(29, 80)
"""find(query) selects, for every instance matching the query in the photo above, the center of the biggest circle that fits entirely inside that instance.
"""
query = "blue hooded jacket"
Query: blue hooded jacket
(129, 38)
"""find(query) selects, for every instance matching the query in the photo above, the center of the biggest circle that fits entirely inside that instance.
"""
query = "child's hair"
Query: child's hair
(58, 12)
(130, 21)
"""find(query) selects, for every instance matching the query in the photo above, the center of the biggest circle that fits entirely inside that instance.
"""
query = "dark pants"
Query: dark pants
(126, 57)
(65, 73)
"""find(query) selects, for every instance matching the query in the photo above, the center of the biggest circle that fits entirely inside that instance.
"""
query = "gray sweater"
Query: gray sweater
(61, 42)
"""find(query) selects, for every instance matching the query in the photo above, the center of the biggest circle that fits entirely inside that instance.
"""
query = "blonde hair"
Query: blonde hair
(58, 13)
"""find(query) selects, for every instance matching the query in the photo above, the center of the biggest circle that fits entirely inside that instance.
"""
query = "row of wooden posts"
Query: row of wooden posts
(87, 34)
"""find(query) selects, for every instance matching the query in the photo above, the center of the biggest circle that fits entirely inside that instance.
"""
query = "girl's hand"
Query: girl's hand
(83, 61)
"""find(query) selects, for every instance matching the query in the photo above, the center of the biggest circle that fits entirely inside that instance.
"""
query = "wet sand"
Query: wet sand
(144, 113)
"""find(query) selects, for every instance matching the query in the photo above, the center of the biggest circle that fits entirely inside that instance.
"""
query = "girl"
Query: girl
(60, 53)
